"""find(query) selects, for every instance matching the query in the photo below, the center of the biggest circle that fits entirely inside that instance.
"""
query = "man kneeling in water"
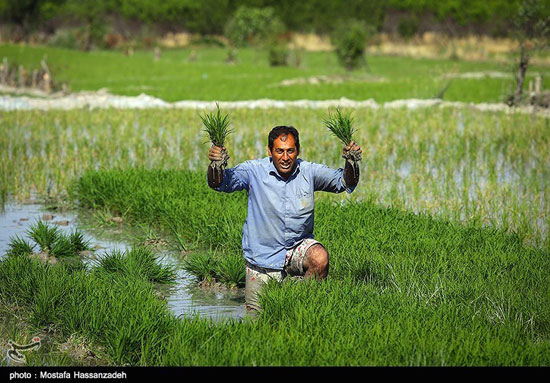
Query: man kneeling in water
(278, 231)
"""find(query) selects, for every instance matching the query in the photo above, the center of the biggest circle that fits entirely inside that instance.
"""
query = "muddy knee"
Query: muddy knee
(316, 262)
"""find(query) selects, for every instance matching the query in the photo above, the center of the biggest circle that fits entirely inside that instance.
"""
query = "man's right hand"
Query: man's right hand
(216, 153)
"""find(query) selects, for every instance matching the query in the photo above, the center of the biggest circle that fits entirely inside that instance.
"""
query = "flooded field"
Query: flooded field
(185, 298)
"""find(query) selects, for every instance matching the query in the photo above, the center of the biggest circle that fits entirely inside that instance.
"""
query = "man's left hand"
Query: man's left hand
(352, 146)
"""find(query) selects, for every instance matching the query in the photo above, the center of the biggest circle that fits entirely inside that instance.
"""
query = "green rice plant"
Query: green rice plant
(217, 129)
(139, 262)
(112, 262)
(230, 269)
(142, 261)
(44, 235)
(201, 265)
(19, 247)
(180, 242)
(78, 241)
(62, 247)
(216, 126)
(340, 125)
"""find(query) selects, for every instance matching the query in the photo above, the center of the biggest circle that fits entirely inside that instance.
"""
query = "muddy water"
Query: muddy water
(184, 299)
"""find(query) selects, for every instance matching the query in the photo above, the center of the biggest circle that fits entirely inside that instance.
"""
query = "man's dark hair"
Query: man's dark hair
(278, 130)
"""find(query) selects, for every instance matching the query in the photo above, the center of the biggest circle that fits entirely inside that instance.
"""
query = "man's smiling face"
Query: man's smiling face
(284, 154)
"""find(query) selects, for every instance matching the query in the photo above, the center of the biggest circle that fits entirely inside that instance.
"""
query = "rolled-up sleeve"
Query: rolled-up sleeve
(329, 180)
(235, 179)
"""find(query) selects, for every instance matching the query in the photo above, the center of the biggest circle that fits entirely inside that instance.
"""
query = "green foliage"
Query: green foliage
(210, 16)
(19, 247)
(278, 53)
(216, 126)
(408, 27)
(398, 77)
(78, 242)
(340, 125)
(65, 38)
(50, 240)
(138, 262)
(349, 40)
(44, 235)
(412, 281)
(531, 21)
(228, 269)
(62, 247)
(253, 26)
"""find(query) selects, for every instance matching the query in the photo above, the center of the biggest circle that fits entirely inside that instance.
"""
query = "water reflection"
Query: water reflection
(184, 299)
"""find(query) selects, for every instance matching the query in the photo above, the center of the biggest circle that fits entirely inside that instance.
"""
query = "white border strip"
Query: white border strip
(103, 100)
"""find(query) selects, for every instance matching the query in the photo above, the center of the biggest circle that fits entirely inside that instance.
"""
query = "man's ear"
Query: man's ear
(269, 152)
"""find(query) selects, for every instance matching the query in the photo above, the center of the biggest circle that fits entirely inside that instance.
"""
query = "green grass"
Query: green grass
(228, 269)
(457, 164)
(440, 257)
(403, 289)
(65, 300)
(175, 78)
(139, 261)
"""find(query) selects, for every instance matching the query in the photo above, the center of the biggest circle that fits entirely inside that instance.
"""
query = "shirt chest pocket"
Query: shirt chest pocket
(303, 201)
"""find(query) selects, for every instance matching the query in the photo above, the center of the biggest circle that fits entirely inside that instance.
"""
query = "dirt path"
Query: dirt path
(103, 99)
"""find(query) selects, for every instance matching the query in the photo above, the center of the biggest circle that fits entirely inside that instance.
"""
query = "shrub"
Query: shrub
(251, 26)
(407, 27)
(278, 53)
(112, 40)
(349, 40)
(65, 38)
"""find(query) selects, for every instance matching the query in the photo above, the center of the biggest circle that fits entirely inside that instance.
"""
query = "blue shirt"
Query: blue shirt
(280, 212)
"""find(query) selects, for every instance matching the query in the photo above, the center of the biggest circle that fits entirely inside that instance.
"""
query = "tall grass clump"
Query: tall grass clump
(53, 241)
(228, 269)
(122, 314)
(78, 241)
(19, 246)
(139, 262)
(44, 235)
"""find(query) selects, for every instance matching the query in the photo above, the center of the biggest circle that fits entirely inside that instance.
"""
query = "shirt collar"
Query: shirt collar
(273, 170)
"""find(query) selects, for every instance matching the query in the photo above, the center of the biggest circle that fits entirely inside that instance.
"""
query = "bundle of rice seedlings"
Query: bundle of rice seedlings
(217, 128)
(113, 262)
(79, 242)
(19, 247)
(138, 262)
(62, 247)
(340, 125)
(201, 265)
(45, 236)
(142, 261)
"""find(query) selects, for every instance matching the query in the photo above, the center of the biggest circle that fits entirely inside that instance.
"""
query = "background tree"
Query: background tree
(28, 14)
(253, 26)
(91, 13)
(349, 39)
(532, 31)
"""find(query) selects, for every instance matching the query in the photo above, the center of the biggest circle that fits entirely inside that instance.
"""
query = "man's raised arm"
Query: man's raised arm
(352, 154)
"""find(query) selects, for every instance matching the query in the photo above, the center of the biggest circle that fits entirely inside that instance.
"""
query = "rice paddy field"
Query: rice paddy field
(440, 257)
